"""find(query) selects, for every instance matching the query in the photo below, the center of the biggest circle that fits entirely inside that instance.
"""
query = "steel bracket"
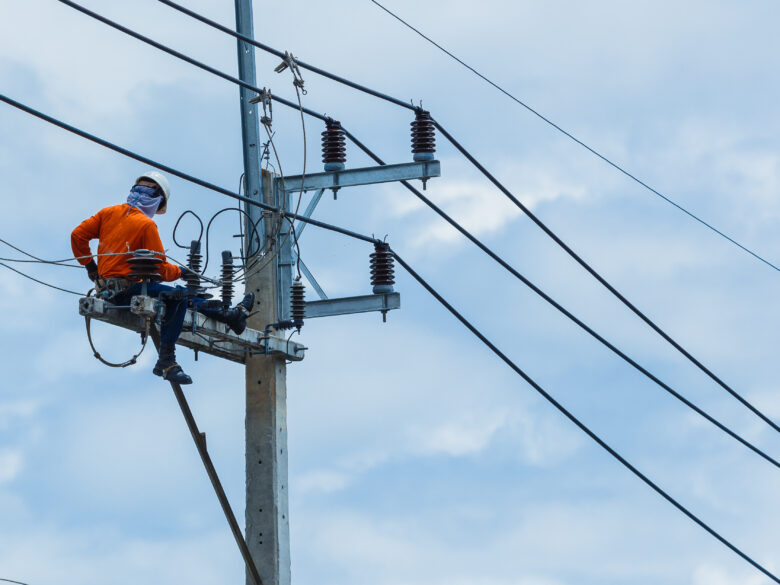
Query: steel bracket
(364, 176)
(349, 305)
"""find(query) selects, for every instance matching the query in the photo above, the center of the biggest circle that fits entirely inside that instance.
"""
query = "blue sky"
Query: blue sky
(416, 456)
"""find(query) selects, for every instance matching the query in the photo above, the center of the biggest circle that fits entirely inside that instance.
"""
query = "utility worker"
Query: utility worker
(128, 227)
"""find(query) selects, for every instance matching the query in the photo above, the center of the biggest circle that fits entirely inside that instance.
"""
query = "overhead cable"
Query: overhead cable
(410, 106)
(509, 268)
(468, 155)
(569, 135)
(355, 235)
(282, 55)
(184, 57)
(484, 171)
(438, 297)
(180, 174)
(479, 335)
(484, 340)
(476, 163)
(592, 271)
(35, 258)
(40, 281)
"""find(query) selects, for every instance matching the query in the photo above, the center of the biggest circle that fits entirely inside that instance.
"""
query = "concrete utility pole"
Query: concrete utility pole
(267, 519)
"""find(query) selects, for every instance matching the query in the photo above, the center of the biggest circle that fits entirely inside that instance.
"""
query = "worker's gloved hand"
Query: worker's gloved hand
(92, 270)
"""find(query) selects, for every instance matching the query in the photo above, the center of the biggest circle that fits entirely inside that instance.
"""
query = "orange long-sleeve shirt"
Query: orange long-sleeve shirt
(119, 228)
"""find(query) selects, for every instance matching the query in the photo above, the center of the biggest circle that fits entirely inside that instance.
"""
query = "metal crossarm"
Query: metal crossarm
(364, 176)
(200, 333)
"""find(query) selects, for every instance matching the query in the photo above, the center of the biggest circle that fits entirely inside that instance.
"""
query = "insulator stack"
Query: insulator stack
(144, 265)
(194, 262)
(297, 304)
(227, 278)
(423, 137)
(382, 271)
(334, 151)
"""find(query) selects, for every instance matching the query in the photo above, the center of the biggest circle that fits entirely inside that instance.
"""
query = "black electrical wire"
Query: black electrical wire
(48, 262)
(184, 57)
(410, 106)
(425, 285)
(568, 134)
(12, 581)
(181, 217)
(220, 212)
(241, 212)
(358, 236)
(35, 258)
(415, 275)
(180, 174)
(570, 315)
(603, 281)
(479, 335)
(282, 55)
(40, 281)
(487, 174)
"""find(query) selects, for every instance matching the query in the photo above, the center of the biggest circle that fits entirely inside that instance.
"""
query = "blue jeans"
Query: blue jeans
(175, 307)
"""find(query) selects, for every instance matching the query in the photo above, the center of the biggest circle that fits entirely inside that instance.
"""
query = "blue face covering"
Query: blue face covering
(145, 199)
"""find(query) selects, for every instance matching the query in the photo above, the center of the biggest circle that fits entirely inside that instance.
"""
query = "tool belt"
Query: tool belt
(108, 288)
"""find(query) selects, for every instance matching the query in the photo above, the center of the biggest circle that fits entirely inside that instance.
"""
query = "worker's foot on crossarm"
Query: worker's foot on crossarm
(167, 368)
(247, 302)
(237, 316)
(173, 373)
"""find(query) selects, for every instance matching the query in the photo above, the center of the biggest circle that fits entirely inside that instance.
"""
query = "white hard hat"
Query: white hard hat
(160, 179)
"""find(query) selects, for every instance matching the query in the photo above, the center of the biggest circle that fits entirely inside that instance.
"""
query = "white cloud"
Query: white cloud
(96, 556)
(15, 410)
(67, 352)
(321, 481)
(479, 206)
(714, 575)
(100, 71)
(458, 437)
(10, 465)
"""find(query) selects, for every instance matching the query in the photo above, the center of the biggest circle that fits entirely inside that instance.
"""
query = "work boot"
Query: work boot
(166, 365)
(237, 316)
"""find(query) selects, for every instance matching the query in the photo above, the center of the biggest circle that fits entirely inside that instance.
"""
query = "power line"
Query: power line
(476, 163)
(497, 258)
(40, 281)
(580, 142)
(431, 291)
(604, 282)
(403, 104)
(481, 168)
(477, 333)
(503, 263)
(35, 258)
(281, 55)
(185, 58)
(12, 581)
(180, 174)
